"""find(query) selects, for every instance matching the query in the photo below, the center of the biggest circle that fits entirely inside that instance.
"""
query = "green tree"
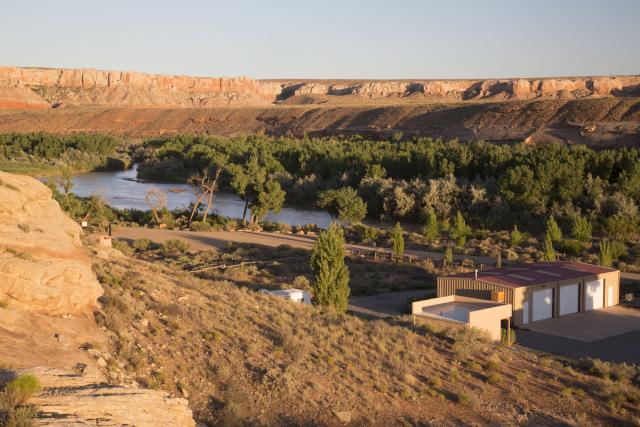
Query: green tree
(553, 230)
(254, 181)
(343, 204)
(269, 197)
(516, 236)
(605, 255)
(431, 230)
(331, 275)
(549, 251)
(460, 230)
(448, 255)
(581, 229)
(397, 240)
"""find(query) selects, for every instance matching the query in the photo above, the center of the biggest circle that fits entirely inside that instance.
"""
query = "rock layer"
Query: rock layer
(40, 87)
(71, 398)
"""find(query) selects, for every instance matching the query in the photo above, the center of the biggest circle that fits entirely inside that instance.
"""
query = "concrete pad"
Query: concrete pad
(590, 326)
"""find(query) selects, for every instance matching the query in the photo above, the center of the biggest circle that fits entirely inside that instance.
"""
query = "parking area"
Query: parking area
(590, 326)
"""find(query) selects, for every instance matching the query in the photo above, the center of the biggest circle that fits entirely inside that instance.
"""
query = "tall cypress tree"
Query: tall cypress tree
(549, 251)
(397, 240)
(331, 275)
(553, 230)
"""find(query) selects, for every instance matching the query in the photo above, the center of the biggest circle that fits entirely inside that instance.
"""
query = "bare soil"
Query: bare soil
(598, 122)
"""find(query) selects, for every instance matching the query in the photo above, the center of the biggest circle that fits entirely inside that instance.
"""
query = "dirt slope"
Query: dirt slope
(245, 358)
(599, 122)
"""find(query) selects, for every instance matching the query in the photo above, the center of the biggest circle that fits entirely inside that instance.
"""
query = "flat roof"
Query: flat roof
(454, 310)
(523, 275)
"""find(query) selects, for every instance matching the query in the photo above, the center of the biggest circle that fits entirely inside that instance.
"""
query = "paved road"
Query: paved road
(619, 348)
(208, 239)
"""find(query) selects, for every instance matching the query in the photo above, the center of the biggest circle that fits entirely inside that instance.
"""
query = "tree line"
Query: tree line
(493, 186)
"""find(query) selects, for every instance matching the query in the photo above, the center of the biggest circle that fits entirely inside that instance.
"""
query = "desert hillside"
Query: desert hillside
(591, 110)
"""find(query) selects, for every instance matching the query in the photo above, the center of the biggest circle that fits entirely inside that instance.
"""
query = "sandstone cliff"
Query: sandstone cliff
(48, 295)
(28, 88)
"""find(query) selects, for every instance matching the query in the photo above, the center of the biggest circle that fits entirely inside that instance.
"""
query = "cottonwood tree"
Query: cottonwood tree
(206, 184)
(343, 204)
(331, 275)
(254, 181)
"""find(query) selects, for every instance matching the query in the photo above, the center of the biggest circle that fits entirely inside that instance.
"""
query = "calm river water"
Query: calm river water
(121, 190)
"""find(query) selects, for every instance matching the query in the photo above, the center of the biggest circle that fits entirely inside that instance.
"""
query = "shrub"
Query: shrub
(122, 246)
(24, 227)
(448, 255)
(173, 246)
(493, 365)
(463, 399)
(4, 303)
(200, 226)
(301, 282)
(571, 246)
(605, 255)
(516, 236)
(23, 387)
(512, 335)
(141, 244)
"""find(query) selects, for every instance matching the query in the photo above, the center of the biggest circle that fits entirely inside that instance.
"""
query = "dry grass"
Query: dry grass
(247, 358)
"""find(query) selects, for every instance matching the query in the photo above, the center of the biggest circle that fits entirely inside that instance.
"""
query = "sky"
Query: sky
(327, 39)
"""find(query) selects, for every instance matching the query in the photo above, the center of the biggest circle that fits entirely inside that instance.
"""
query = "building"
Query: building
(539, 291)
(296, 295)
(483, 314)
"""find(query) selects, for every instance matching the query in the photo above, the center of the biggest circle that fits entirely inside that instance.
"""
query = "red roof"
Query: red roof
(535, 274)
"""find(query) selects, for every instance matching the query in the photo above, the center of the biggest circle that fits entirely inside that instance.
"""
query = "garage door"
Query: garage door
(569, 298)
(542, 304)
(594, 295)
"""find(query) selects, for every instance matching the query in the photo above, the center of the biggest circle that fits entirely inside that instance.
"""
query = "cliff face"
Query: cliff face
(60, 87)
(31, 88)
(49, 293)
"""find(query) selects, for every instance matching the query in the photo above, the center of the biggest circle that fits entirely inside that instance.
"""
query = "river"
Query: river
(122, 190)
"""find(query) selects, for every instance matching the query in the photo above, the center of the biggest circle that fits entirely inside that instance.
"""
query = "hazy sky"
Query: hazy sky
(327, 38)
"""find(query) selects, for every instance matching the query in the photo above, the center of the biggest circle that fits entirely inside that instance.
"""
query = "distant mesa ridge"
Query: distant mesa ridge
(37, 88)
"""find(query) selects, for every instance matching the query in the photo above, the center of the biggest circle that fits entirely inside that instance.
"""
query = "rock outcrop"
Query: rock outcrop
(29, 88)
(72, 398)
(48, 296)
(42, 265)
